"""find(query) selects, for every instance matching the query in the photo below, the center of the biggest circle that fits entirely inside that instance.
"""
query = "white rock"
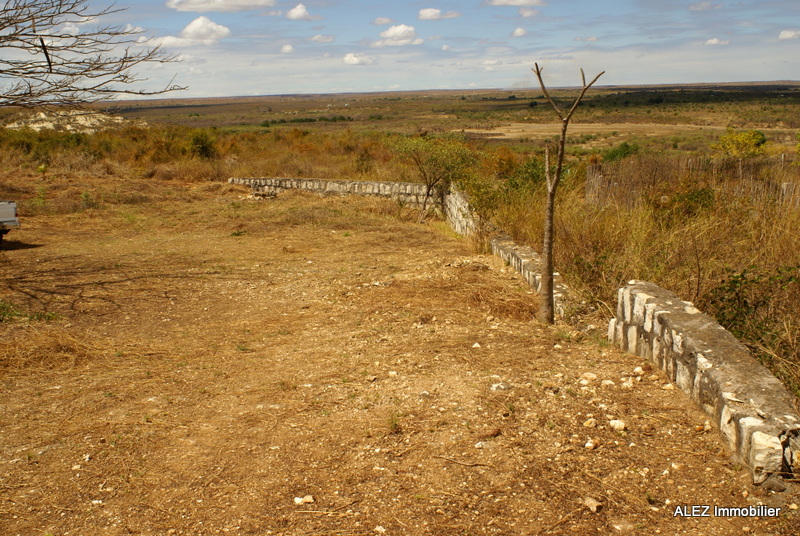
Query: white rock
(590, 445)
(618, 425)
(304, 500)
(628, 384)
(476, 345)
(481, 445)
(590, 423)
(766, 455)
(589, 376)
(638, 371)
(607, 383)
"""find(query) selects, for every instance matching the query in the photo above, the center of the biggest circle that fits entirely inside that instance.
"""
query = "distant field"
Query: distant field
(629, 112)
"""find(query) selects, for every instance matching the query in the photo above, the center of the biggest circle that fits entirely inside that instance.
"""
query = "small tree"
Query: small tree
(438, 162)
(553, 177)
(52, 56)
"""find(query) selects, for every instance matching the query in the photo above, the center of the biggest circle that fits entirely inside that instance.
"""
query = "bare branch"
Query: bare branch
(45, 62)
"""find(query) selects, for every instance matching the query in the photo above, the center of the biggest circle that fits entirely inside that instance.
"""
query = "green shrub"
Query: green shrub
(623, 150)
(203, 144)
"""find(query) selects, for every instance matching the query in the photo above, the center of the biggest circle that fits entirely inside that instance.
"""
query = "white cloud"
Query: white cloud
(300, 12)
(445, 47)
(527, 12)
(319, 38)
(590, 39)
(716, 41)
(358, 59)
(430, 13)
(398, 36)
(382, 21)
(218, 5)
(287, 49)
(517, 3)
(519, 32)
(205, 31)
(201, 31)
(789, 34)
(704, 6)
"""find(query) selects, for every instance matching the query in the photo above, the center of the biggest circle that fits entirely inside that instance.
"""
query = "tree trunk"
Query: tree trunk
(547, 302)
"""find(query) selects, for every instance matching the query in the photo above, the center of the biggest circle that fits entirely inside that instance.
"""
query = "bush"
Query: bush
(623, 150)
(202, 144)
(760, 306)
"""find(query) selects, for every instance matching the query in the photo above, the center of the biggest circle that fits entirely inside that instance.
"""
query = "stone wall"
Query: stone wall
(410, 193)
(528, 263)
(754, 411)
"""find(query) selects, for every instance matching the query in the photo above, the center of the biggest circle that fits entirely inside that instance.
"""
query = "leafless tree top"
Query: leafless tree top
(52, 53)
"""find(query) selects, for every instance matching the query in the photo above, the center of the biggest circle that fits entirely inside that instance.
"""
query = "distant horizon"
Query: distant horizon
(177, 95)
(286, 47)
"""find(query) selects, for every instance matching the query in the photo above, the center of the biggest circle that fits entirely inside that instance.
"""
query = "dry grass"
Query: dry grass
(216, 357)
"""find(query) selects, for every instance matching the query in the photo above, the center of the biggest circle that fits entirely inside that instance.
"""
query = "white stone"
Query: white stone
(766, 455)
(703, 363)
(618, 425)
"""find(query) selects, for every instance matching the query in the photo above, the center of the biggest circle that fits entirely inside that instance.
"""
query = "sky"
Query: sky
(268, 47)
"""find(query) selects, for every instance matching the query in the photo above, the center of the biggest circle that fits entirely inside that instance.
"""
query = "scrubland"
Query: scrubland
(666, 202)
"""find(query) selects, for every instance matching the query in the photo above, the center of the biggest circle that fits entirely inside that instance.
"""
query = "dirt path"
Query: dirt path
(214, 361)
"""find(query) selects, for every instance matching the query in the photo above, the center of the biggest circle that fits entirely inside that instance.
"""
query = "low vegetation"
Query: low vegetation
(710, 213)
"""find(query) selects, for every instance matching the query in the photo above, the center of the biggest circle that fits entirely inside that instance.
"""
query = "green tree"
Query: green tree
(438, 163)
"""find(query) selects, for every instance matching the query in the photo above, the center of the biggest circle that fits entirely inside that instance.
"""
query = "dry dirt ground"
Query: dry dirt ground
(207, 364)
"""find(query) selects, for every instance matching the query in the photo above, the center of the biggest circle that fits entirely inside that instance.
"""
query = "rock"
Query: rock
(590, 445)
(793, 506)
(502, 386)
(476, 345)
(607, 383)
(638, 371)
(618, 425)
(589, 376)
(304, 500)
(590, 423)
(766, 457)
(481, 445)
(669, 387)
(628, 384)
(592, 504)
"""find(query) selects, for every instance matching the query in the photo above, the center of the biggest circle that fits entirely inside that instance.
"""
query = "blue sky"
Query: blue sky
(264, 47)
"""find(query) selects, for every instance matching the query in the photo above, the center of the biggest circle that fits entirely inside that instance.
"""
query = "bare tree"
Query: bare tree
(51, 55)
(547, 307)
